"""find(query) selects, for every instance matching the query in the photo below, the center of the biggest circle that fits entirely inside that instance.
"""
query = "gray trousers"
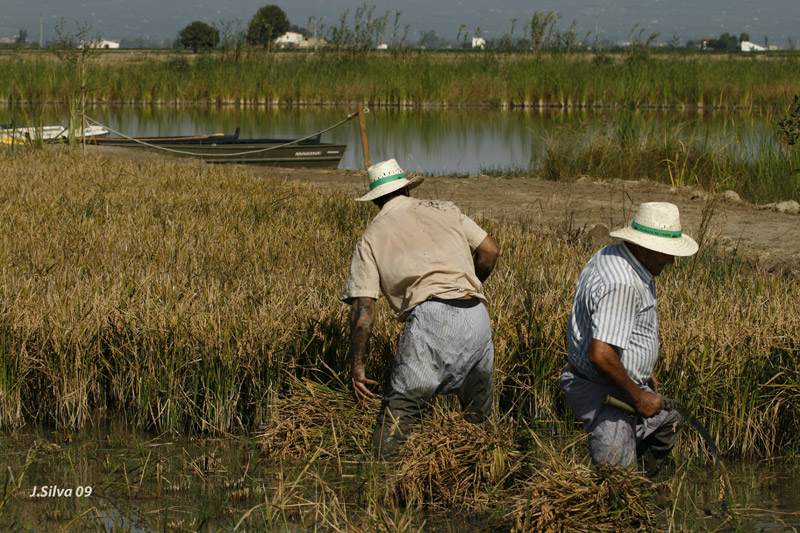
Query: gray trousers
(615, 436)
(446, 348)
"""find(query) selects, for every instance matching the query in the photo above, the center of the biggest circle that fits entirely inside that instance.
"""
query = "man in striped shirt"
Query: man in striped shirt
(612, 342)
(430, 261)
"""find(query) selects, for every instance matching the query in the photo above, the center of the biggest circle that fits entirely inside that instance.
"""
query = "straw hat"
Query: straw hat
(386, 177)
(657, 226)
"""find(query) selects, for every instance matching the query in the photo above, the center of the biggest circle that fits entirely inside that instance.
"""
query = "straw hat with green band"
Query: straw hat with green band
(386, 177)
(657, 226)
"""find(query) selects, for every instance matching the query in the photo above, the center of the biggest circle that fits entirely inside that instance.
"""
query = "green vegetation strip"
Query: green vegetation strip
(405, 77)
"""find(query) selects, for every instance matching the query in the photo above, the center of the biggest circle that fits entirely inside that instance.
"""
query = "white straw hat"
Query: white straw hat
(386, 177)
(657, 226)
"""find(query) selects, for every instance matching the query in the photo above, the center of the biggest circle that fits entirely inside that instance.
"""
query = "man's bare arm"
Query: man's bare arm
(362, 316)
(484, 258)
(606, 360)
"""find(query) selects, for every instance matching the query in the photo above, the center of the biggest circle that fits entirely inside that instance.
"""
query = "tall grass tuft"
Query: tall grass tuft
(742, 158)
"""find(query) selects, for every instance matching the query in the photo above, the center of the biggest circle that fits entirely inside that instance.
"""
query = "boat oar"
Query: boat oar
(695, 423)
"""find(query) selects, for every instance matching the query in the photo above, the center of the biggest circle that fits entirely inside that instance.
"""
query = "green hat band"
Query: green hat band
(387, 179)
(657, 232)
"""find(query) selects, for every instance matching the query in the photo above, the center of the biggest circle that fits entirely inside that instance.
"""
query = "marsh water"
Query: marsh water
(449, 141)
(109, 478)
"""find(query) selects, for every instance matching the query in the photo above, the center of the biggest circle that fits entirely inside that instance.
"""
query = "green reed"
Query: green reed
(407, 77)
(741, 157)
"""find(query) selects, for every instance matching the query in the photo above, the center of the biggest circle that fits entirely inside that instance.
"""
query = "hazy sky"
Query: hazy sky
(778, 20)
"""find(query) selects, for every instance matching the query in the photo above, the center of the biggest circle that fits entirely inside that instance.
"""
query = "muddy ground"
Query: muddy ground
(760, 235)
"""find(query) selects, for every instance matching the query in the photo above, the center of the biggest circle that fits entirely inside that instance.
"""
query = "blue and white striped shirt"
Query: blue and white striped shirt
(615, 302)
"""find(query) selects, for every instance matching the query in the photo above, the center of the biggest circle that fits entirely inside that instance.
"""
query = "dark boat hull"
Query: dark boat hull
(231, 149)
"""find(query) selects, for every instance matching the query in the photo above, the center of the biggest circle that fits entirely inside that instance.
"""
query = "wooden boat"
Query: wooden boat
(221, 148)
(9, 134)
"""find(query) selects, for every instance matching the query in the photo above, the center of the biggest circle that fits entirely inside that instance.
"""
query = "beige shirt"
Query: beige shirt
(415, 250)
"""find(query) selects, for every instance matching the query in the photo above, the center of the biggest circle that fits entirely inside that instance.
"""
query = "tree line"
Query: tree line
(540, 32)
(366, 30)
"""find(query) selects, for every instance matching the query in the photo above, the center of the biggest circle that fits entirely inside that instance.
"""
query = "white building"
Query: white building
(102, 44)
(478, 42)
(106, 45)
(289, 39)
(747, 46)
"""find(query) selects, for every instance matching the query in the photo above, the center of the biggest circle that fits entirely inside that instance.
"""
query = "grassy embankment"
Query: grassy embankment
(186, 297)
(409, 78)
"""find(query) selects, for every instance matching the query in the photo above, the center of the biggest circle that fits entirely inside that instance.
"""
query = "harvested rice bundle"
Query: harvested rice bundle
(312, 416)
(449, 462)
(562, 496)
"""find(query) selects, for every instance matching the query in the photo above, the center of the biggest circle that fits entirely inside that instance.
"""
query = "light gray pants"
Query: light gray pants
(446, 348)
(617, 437)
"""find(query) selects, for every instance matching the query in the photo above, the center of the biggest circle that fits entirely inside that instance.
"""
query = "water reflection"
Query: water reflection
(433, 141)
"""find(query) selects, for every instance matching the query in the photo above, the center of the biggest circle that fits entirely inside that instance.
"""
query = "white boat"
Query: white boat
(46, 133)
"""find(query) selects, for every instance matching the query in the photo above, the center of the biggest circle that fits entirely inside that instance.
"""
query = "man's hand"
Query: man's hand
(362, 315)
(360, 382)
(605, 359)
(648, 404)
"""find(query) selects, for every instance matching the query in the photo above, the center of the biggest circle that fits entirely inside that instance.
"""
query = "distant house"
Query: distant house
(382, 46)
(101, 44)
(478, 42)
(289, 39)
(292, 39)
(747, 46)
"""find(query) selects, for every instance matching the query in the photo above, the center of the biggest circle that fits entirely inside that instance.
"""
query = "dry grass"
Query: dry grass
(204, 299)
(314, 417)
(448, 462)
(561, 495)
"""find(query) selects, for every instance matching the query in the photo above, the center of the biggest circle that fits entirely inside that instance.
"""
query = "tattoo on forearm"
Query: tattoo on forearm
(362, 316)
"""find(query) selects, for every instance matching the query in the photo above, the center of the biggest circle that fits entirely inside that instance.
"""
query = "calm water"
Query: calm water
(461, 142)
(121, 480)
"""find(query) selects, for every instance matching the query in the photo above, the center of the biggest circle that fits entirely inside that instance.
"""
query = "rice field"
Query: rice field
(179, 295)
(203, 300)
